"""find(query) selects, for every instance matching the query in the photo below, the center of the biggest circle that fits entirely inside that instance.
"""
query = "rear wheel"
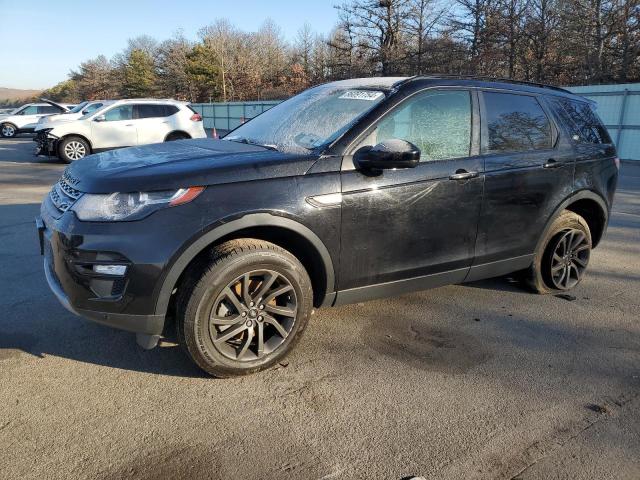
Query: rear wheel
(177, 136)
(71, 149)
(244, 310)
(562, 258)
(8, 130)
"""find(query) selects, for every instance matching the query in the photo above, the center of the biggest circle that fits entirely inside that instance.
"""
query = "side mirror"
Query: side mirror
(392, 153)
(100, 118)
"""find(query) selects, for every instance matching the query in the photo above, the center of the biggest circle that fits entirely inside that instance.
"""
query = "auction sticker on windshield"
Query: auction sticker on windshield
(361, 95)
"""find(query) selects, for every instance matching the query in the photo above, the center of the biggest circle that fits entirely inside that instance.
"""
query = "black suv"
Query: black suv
(350, 191)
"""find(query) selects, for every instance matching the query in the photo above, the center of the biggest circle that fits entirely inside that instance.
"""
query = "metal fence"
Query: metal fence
(225, 116)
(618, 106)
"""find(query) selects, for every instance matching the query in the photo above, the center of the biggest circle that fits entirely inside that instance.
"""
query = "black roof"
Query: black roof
(491, 82)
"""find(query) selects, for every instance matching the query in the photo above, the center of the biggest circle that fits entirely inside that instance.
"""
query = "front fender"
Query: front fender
(223, 228)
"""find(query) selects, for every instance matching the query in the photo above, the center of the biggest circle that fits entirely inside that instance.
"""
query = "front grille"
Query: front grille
(63, 195)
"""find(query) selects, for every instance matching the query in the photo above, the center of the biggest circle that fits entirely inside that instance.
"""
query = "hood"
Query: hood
(51, 102)
(45, 122)
(182, 163)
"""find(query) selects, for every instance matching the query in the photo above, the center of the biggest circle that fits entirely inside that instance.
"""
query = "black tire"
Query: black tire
(72, 148)
(177, 136)
(205, 300)
(8, 130)
(558, 273)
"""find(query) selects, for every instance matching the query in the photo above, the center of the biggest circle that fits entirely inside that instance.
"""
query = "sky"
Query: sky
(43, 39)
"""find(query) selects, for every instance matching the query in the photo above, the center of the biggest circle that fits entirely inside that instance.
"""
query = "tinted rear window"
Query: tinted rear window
(514, 123)
(48, 109)
(155, 111)
(581, 120)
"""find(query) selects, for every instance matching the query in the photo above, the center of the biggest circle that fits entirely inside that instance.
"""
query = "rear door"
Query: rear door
(595, 168)
(414, 228)
(116, 130)
(529, 168)
(152, 122)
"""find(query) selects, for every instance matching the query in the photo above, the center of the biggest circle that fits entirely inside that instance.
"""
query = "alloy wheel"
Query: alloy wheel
(253, 315)
(8, 131)
(569, 259)
(75, 150)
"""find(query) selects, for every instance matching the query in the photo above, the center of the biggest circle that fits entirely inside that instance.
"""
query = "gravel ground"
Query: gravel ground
(481, 380)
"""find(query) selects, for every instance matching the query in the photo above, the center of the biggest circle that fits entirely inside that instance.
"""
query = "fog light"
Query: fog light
(110, 269)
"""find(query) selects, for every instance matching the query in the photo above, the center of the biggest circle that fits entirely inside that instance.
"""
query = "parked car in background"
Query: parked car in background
(349, 191)
(75, 113)
(24, 118)
(117, 124)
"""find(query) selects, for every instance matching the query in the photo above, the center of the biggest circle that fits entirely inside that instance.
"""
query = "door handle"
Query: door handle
(552, 163)
(129, 125)
(462, 174)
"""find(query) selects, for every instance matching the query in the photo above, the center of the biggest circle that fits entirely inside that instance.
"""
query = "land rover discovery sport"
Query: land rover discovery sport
(349, 191)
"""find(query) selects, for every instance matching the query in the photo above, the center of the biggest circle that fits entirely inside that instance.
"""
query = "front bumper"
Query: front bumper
(148, 324)
(46, 144)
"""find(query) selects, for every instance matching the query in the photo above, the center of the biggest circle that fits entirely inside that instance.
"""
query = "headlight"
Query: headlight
(115, 207)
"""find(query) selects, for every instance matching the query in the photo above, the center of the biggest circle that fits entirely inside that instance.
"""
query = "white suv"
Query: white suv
(23, 119)
(121, 123)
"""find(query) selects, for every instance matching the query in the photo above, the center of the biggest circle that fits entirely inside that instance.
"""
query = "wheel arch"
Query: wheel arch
(67, 135)
(589, 205)
(15, 127)
(283, 231)
(174, 132)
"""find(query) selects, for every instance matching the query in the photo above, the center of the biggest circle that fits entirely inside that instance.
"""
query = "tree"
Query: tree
(95, 79)
(202, 69)
(173, 78)
(65, 91)
(138, 75)
(379, 24)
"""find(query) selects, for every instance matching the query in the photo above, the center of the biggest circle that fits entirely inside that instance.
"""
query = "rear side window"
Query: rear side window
(48, 109)
(514, 123)
(170, 110)
(155, 111)
(581, 121)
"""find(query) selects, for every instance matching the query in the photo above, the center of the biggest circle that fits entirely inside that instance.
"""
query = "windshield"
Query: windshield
(78, 107)
(97, 111)
(309, 120)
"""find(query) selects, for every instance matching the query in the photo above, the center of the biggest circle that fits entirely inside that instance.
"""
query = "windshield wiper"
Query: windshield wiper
(250, 142)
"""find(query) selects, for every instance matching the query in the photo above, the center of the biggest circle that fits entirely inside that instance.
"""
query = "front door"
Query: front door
(118, 129)
(414, 228)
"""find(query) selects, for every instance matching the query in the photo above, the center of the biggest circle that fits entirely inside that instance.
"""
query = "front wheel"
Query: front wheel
(72, 149)
(563, 255)
(245, 309)
(8, 130)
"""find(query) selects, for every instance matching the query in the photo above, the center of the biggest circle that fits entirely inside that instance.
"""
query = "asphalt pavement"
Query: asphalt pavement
(483, 380)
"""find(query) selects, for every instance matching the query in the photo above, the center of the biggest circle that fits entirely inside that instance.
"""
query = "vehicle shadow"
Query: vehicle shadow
(506, 283)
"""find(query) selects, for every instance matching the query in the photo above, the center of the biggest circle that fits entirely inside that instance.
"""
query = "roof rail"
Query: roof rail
(493, 79)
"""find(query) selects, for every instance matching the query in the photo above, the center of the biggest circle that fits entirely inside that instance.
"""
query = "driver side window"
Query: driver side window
(438, 122)
(123, 112)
